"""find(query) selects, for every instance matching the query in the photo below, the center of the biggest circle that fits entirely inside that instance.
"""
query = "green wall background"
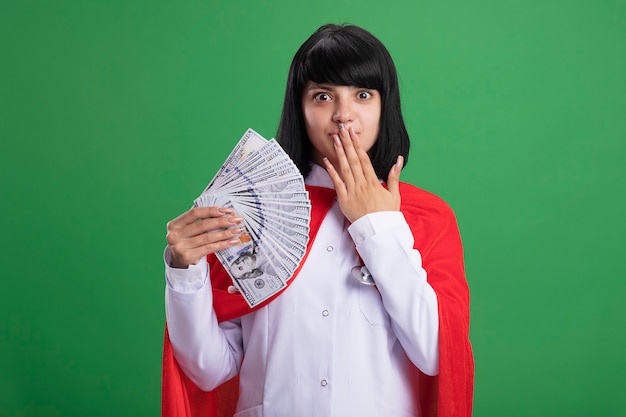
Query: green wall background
(115, 114)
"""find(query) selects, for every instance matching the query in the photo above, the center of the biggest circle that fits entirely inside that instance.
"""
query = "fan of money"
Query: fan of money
(264, 187)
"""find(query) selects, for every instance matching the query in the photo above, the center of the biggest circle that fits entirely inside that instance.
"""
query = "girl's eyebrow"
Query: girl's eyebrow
(313, 86)
(331, 87)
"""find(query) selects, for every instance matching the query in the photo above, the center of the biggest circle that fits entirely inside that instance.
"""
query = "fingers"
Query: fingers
(348, 158)
(200, 231)
(192, 215)
(200, 220)
(393, 179)
(190, 251)
(354, 162)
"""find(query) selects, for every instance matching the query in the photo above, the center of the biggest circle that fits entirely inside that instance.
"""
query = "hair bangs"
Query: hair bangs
(342, 63)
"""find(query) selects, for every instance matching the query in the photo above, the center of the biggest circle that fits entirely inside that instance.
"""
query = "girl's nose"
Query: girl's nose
(343, 112)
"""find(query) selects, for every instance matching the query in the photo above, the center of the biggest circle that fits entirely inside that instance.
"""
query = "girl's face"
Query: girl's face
(326, 106)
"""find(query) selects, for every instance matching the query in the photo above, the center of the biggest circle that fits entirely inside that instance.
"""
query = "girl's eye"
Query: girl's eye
(321, 97)
(364, 95)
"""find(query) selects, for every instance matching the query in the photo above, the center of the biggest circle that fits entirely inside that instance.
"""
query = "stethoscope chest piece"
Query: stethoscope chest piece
(362, 275)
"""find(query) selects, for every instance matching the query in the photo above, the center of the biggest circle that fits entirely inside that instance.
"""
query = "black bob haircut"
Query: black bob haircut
(344, 55)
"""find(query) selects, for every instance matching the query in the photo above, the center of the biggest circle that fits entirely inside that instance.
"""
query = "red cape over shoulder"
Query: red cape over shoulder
(436, 235)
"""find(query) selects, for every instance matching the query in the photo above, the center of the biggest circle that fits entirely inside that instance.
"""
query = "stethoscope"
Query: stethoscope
(362, 275)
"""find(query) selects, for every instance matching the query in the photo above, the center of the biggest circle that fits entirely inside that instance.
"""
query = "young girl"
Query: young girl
(329, 345)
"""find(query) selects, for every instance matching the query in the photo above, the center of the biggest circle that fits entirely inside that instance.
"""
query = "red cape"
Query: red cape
(436, 235)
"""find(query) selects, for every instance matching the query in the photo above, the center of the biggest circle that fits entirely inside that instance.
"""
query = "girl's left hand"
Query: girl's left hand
(358, 188)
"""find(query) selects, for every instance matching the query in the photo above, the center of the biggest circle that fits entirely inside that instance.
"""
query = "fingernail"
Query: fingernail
(399, 161)
(235, 219)
(225, 210)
